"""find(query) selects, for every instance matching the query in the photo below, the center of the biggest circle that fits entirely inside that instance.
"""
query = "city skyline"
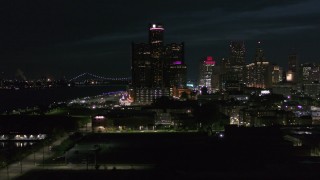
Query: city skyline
(64, 39)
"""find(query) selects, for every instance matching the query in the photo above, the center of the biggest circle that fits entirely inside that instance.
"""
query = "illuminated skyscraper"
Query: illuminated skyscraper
(258, 73)
(157, 67)
(176, 73)
(237, 59)
(206, 73)
(142, 75)
(233, 67)
(156, 32)
(174, 68)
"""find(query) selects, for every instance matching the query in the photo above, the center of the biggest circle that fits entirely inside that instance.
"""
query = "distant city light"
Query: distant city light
(190, 85)
(221, 135)
(289, 76)
(264, 92)
(99, 117)
(156, 28)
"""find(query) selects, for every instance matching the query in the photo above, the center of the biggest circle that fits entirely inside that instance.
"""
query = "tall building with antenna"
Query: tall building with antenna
(157, 67)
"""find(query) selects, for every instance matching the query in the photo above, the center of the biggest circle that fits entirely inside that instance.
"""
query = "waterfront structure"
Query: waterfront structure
(157, 67)
(206, 73)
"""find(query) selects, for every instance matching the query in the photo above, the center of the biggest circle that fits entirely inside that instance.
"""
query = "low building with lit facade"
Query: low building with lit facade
(258, 116)
(311, 89)
(232, 85)
(315, 114)
(146, 95)
(232, 110)
(100, 123)
(177, 92)
(123, 119)
(283, 88)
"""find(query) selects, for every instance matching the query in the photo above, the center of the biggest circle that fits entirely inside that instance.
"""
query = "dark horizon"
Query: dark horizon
(61, 38)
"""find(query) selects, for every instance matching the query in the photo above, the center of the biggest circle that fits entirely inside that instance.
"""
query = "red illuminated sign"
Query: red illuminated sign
(210, 61)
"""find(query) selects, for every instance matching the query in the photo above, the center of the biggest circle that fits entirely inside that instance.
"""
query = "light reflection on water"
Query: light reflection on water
(23, 144)
(16, 144)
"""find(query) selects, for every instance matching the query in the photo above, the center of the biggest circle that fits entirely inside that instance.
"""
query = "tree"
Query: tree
(204, 90)
(184, 95)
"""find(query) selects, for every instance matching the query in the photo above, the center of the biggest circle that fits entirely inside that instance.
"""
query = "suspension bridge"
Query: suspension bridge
(90, 76)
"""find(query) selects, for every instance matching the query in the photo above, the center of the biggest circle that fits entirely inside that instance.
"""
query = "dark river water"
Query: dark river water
(13, 99)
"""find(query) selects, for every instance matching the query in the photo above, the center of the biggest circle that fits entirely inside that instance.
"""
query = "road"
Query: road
(31, 162)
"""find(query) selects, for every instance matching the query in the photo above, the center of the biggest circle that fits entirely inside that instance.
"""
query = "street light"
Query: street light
(20, 166)
(6, 164)
(34, 157)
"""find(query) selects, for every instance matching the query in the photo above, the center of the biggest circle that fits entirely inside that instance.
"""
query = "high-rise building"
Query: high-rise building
(276, 74)
(309, 72)
(142, 75)
(174, 69)
(293, 67)
(206, 73)
(237, 59)
(215, 81)
(157, 67)
(258, 73)
(177, 75)
(156, 32)
(233, 67)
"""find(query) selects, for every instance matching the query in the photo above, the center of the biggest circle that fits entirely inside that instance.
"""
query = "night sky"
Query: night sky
(56, 38)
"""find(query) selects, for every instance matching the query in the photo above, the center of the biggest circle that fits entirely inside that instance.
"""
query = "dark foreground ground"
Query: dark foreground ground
(264, 155)
(165, 174)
